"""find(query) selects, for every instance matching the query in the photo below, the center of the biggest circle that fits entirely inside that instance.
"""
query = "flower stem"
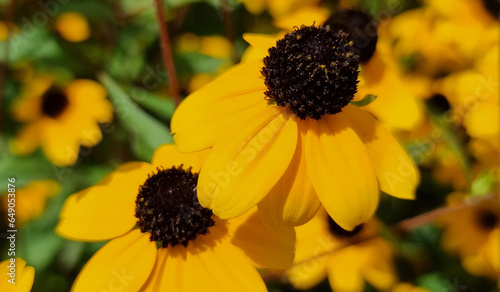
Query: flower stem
(166, 52)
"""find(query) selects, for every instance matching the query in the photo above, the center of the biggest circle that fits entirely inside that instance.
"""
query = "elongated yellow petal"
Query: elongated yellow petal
(292, 201)
(205, 115)
(396, 172)
(28, 139)
(341, 171)
(107, 209)
(267, 247)
(246, 163)
(15, 276)
(168, 156)
(123, 264)
(222, 268)
(203, 266)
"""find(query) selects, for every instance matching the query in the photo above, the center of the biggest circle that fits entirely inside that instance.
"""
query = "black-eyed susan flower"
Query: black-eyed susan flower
(473, 234)
(399, 104)
(73, 26)
(32, 199)
(285, 136)
(347, 258)
(15, 276)
(178, 245)
(60, 119)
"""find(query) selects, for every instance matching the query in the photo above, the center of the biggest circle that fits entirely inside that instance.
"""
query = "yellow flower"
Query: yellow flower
(474, 96)
(296, 143)
(399, 96)
(473, 233)
(73, 26)
(60, 119)
(347, 258)
(32, 200)
(4, 31)
(444, 36)
(23, 276)
(196, 251)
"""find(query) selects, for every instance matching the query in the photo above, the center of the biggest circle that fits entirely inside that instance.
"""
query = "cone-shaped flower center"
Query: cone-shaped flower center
(338, 231)
(487, 219)
(54, 102)
(167, 207)
(361, 28)
(313, 71)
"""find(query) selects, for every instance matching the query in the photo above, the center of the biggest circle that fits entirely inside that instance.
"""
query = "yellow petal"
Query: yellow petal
(60, 143)
(15, 276)
(246, 163)
(203, 266)
(341, 171)
(482, 121)
(167, 156)
(309, 273)
(396, 172)
(88, 98)
(107, 209)
(306, 16)
(220, 268)
(27, 140)
(344, 271)
(73, 26)
(123, 264)
(267, 247)
(292, 201)
(205, 115)
(261, 42)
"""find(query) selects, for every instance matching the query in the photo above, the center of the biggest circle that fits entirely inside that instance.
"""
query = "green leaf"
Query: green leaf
(147, 133)
(155, 103)
(26, 169)
(369, 98)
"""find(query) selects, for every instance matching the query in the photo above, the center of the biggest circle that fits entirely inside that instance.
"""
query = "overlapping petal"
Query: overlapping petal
(397, 174)
(168, 156)
(246, 163)
(341, 171)
(205, 115)
(292, 201)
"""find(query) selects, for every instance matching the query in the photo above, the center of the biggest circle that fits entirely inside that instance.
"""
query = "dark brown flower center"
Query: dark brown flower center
(167, 207)
(487, 219)
(313, 71)
(54, 102)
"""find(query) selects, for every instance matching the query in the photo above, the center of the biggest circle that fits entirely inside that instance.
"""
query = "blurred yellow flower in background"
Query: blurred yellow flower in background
(214, 46)
(24, 276)
(347, 258)
(407, 287)
(179, 246)
(60, 119)
(32, 200)
(473, 234)
(276, 8)
(292, 158)
(73, 26)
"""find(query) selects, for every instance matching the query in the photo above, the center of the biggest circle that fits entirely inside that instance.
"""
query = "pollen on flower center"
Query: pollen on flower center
(167, 207)
(313, 71)
(54, 102)
(338, 231)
